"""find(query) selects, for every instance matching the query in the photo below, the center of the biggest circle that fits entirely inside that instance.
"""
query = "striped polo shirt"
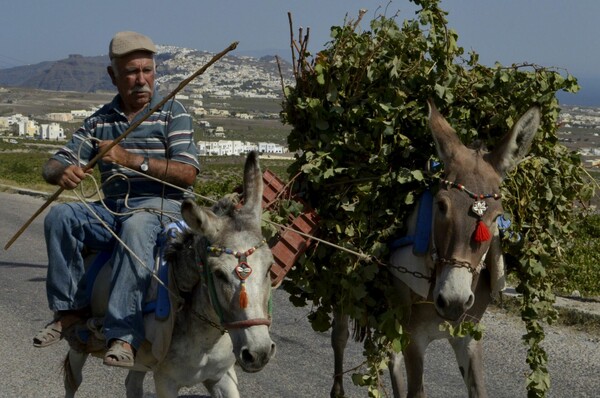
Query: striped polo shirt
(166, 134)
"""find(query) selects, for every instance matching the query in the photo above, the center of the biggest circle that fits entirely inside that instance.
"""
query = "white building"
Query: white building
(230, 147)
(14, 119)
(218, 112)
(52, 131)
(27, 128)
(81, 114)
(225, 147)
(60, 116)
(244, 116)
(271, 147)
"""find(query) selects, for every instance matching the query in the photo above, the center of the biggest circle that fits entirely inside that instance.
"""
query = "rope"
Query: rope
(358, 254)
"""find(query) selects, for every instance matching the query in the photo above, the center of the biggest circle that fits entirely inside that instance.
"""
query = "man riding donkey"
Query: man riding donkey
(135, 207)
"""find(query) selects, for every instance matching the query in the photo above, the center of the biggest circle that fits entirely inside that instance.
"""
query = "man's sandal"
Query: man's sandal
(49, 335)
(119, 355)
(56, 329)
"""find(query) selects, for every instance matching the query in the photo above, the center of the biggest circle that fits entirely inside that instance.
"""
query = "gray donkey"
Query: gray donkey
(220, 268)
(463, 258)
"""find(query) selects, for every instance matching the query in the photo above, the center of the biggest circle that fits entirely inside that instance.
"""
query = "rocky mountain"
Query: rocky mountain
(232, 75)
(76, 73)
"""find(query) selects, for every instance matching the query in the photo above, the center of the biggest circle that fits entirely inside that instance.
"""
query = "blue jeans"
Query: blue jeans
(69, 227)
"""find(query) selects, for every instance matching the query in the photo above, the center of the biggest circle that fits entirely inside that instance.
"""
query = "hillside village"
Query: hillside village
(242, 77)
(579, 127)
(20, 126)
(579, 130)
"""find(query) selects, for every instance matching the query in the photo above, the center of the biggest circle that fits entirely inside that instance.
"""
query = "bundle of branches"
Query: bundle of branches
(359, 116)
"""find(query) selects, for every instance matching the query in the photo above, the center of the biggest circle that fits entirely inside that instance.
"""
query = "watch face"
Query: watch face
(144, 165)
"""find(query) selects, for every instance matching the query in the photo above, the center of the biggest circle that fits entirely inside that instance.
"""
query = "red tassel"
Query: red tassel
(481, 232)
(243, 296)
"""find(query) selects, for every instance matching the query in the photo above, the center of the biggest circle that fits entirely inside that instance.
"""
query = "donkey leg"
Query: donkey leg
(339, 339)
(134, 384)
(469, 356)
(226, 387)
(165, 386)
(73, 366)
(414, 358)
(395, 368)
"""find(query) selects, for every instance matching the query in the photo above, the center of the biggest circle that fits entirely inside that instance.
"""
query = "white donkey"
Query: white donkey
(463, 258)
(220, 267)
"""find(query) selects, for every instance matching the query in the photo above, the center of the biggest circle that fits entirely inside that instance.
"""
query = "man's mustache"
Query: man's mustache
(141, 89)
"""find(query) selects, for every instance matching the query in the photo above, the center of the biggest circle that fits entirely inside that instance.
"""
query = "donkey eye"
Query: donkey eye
(220, 274)
(442, 206)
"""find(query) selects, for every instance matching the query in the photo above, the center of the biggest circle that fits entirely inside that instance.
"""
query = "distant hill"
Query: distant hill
(232, 74)
(240, 74)
(76, 73)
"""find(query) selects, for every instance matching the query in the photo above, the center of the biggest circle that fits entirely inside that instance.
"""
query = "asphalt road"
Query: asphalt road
(303, 365)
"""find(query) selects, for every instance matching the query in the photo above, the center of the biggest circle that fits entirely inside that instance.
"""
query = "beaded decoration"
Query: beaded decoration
(479, 207)
(243, 269)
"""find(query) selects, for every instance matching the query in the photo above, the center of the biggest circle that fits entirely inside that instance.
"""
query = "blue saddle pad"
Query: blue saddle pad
(421, 237)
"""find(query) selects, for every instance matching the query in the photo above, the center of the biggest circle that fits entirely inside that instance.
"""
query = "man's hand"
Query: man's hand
(67, 177)
(116, 154)
(72, 177)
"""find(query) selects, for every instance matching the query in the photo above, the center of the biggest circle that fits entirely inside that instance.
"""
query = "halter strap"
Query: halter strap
(243, 271)
(219, 250)
(479, 207)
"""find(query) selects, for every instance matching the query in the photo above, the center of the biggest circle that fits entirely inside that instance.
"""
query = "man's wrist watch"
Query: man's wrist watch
(145, 164)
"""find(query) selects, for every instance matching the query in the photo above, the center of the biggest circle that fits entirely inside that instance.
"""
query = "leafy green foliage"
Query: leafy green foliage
(580, 266)
(359, 119)
(463, 329)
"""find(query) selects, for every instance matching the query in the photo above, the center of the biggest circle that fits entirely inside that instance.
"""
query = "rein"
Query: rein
(243, 271)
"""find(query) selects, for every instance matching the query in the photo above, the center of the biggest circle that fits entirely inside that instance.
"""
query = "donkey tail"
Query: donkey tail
(72, 371)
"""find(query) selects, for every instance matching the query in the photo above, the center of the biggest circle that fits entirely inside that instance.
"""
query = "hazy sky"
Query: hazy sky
(560, 33)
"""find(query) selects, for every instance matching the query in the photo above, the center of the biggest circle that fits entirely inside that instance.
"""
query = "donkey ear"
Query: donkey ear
(199, 219)
(253, 186)
(516, 144)
(447, 142)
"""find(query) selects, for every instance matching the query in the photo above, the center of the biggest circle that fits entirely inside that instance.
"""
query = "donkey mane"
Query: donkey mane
(479, 146)
(181, 246)
(224, 207)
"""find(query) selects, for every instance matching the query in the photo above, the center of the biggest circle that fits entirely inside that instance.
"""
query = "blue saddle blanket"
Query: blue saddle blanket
(420, 239)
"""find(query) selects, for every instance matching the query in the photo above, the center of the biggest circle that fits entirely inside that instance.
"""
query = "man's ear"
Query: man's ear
(111, 73)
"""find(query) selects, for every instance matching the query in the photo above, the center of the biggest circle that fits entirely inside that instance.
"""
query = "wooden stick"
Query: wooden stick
(135, 125)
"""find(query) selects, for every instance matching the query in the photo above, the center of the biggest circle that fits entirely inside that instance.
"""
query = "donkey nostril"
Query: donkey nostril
(470, 301)
(441, 303)
(247, 356)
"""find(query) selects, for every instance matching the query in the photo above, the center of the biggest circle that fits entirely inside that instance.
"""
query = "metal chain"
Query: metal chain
(416, 274)
(402, 270)
(420, 275)
(460, 264)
